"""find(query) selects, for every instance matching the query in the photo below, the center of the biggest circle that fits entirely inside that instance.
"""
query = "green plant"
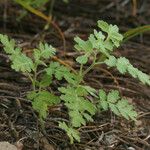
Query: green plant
(37, 3)
(81, 100)
(136, 31)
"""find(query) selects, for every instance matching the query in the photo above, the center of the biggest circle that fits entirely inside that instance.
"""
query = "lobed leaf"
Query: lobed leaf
(82, 59)
(72, 133)
(41, 100)
(22, 63)
(82, 45)
(113, 96)
(9, 44)
(118, 106)
(60, 72)
(79, 107)
(123, 65)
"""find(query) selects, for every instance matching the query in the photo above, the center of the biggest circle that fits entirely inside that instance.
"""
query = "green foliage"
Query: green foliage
(72, 133)
(60, 72)
(35, 3)
(45, 81)
(80, 108)
(136, 31)
(123, 65)
(80, 100)
(99, 42)
(118, 105)
(112, 32)
(44, 51)
(41, 100)
(20, 62)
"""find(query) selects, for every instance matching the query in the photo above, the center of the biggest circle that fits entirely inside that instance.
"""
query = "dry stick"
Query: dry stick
(134, 12)
(127, 143)
(138, 140)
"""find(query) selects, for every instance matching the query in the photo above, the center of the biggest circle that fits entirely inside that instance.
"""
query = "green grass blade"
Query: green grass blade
(134, 32)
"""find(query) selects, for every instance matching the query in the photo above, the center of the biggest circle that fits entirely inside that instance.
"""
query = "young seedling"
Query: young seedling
(81, 100)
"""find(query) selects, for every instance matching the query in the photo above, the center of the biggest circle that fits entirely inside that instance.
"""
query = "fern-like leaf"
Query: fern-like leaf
(20, 62)
(118, 106)
(41, 101)
(71, 132)
(60, 72)
(123, 65)
(80, 109)
(9, 44)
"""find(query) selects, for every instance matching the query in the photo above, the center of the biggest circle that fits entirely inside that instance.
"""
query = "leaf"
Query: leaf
(82, 45)
(99, 35)
(126, 110)
(104, 26)
(72, 133)
(88, 106)
(60, 72)
(22, 63)
(77, 105)
(112, 31)
(88, 117)
(81, 91)
(41, 100)
(144, 78)
(111, 61)
(31, 95)
(102, 95)
(114, 35)
(76, 118)
(109, 45)
(104, 105)
(82, 59)
(113, 96)
(94, 41)
(45, 81)
(90, 90)
(114, 109)
(132, 71)
(103, 99)
(117, 105)
(44, 51)
(98, 42)
(122, 64)
(9, 45)
(41, 107)
(52, 67)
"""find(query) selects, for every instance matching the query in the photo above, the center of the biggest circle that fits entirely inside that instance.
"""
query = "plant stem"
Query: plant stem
(50, 14)
(81, 70)
(91, 66)
(32, 80)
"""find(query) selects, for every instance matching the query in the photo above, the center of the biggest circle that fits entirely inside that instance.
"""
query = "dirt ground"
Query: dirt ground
(19, 122)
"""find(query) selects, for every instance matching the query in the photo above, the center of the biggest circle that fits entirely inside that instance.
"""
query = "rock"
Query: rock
(7, 146)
